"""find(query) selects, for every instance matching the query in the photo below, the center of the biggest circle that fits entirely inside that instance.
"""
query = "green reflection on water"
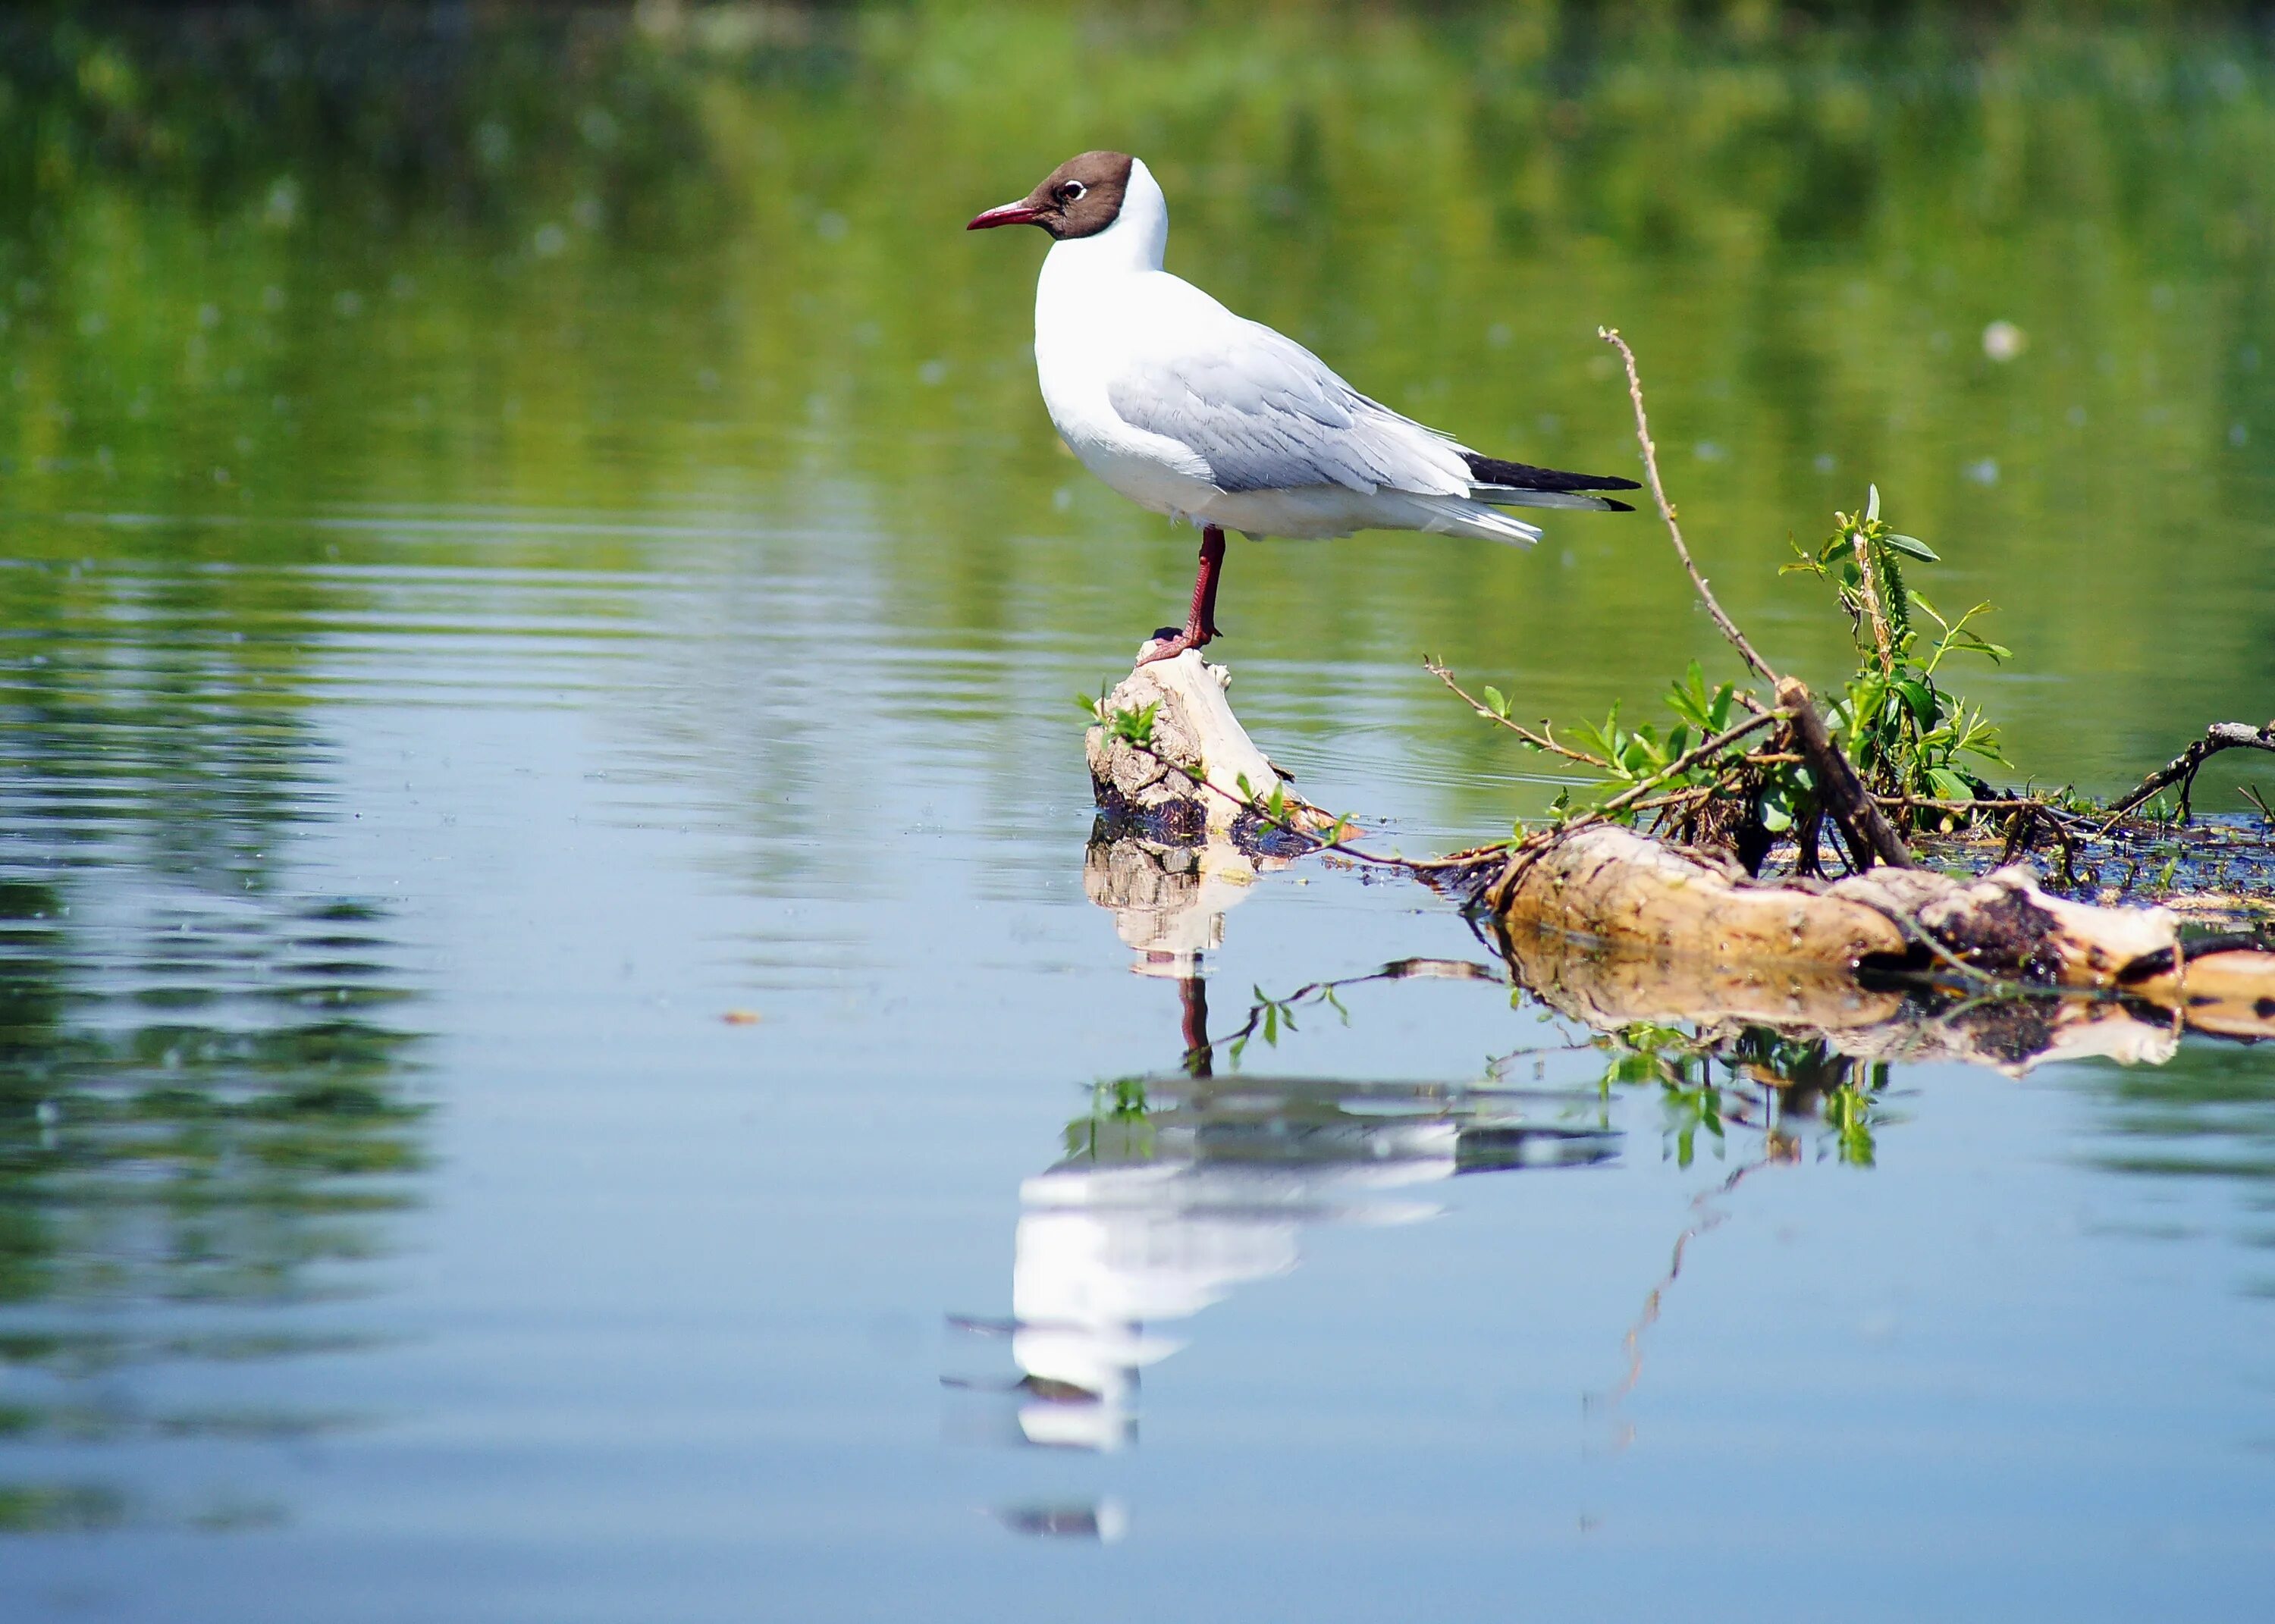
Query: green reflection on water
(205, 1115)
(718, 269)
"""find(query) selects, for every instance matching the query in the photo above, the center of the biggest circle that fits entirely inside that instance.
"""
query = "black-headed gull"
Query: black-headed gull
(1193, 411)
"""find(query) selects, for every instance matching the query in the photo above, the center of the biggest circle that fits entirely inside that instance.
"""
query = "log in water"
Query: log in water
(1614, 926)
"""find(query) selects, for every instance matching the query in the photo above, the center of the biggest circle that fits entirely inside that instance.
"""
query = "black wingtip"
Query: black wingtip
(1611, 506)
(1525, 477)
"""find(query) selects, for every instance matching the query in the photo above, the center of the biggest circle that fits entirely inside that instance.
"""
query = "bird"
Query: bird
(1193, 411)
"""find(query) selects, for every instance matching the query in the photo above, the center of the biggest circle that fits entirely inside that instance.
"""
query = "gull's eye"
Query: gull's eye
(1072, 191)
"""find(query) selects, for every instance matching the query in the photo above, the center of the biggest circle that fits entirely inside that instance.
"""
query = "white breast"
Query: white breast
(1094, 293)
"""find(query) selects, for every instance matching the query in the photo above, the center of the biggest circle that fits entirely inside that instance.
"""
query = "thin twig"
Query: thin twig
(1475, 858)
(1761, 668)
(1690, 757)
(2181, 769)
(1707, 1217)
(1986, 803)
(1544, 740)
(1626, 797)
(1629, 799)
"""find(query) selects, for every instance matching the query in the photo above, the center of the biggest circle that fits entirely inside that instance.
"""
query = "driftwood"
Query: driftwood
(1608, 884)
(1613, 927)
(1198, 769)
(2231, 993)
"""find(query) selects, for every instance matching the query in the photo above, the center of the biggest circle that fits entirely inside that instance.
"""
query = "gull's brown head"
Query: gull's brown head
(1080, 198)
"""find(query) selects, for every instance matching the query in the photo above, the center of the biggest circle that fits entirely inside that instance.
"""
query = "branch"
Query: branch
(1325, 838)
(1611, 335)
(2181, 769)
(1690, 757)
(1841, 792)
(1544, 740)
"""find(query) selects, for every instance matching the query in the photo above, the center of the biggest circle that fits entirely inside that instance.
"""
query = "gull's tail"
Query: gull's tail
(1458, 515)
(1520, 485)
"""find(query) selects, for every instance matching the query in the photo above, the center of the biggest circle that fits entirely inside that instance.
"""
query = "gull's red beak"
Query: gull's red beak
(1020, 213)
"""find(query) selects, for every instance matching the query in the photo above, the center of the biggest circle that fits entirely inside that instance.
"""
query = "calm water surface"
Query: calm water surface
(560, 1053)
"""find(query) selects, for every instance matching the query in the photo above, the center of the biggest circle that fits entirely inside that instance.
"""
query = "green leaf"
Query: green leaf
(1948, 785)
(1804, 562)
(1136, 726)
(1634, 1068)
(1777, 810)
(1921, 701)
(1913, 547)
(1687, 699)
(1496, 701)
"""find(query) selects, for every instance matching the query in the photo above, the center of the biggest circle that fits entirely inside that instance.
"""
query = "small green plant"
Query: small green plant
(1135, 726)
(1744, 769)
(1643, 754)
(1268, 1016)
(1904, 733)
(1132, 725)
(1713, 773)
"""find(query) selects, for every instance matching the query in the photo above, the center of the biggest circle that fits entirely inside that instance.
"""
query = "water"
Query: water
(557, 1054)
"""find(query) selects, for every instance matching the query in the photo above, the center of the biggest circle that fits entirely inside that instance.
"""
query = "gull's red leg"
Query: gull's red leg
(1200, 620)
(1192, 992)
(1204, 586)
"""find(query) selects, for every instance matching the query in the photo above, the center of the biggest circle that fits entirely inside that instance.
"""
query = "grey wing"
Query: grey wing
(1265, 413)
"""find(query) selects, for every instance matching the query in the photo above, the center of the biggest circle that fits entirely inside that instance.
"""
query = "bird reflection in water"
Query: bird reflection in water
(1175, 1189)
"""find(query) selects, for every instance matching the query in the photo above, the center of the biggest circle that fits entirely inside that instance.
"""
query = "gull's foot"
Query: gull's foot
(1168, 643)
